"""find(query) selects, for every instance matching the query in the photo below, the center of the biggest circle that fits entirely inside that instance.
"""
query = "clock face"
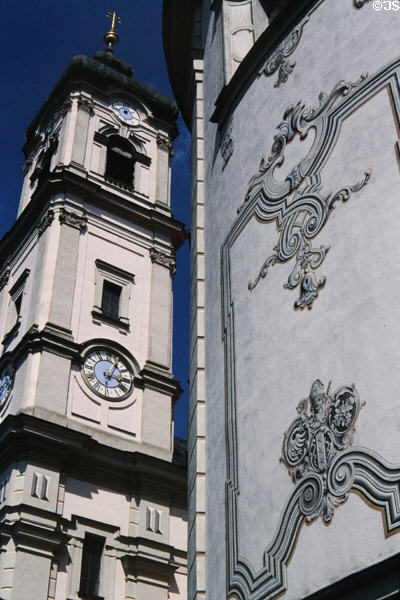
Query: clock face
(6, 383)
(107, 374)
(126, 112)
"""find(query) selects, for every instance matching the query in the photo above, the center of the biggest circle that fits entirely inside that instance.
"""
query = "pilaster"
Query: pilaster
(67, 259)
(197, 408)
(163, 266)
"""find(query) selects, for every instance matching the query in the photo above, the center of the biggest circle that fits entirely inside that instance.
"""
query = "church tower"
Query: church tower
(92, 486)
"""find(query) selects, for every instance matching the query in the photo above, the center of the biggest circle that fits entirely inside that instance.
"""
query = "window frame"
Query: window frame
(114, 275)
(88, 594)
(119, 148)
(14, 310)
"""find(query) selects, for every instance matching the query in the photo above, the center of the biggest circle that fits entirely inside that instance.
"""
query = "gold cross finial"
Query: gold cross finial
(111, 37)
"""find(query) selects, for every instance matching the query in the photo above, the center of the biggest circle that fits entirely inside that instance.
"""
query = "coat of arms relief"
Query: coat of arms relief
(324, 427)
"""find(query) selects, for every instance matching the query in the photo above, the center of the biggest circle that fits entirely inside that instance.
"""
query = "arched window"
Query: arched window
(120, 161)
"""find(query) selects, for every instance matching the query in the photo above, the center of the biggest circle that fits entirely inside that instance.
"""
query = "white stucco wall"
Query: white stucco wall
(350, 335)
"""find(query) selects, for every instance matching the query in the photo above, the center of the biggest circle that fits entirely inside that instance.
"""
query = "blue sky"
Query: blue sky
(38, 41)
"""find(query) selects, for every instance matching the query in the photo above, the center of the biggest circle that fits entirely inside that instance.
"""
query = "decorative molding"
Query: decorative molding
(40, 486)
(165, 144)
(347, 469)
(86, 104)
(73, 219)
(302, 218)
(5, 278)
(3, 490)
(278, 61)
(45, 222)
(154, 519)
(226, 148)
(163, 259)
(307, 257)
(359, 3)
(66, 106)
(324, 427)
(28, 163)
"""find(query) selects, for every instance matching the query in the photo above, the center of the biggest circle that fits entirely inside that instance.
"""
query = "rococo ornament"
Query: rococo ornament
(323, 463)
(324, 427)
(359, 3)
(279, 58)
(226, 148)
(300, 213)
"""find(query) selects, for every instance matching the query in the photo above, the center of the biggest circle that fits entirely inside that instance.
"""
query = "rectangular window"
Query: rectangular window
(93, 547)
(120, 168)
(110, 300)
(113, 287)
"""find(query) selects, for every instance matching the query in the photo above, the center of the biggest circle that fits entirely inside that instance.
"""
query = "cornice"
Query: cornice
(63, 181)
(146, 566)
(41, 536)
(178, 22)
(78, 454)
(250, 66)
(84, 70)
(158, 378)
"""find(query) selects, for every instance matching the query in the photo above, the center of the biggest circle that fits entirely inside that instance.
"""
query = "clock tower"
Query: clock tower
(92, 483)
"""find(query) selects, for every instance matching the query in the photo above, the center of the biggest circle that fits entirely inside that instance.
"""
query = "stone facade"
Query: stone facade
(92, 484)
(294, 110)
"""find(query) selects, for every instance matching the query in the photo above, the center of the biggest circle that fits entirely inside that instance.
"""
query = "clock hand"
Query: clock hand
(117, 377)
(111, 369)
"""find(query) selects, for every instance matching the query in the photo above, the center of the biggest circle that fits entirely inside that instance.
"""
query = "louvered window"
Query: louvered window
(110, 300)
(91, 563)
(120, 163)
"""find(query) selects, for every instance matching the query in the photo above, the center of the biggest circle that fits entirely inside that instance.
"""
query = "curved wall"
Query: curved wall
(297, 154)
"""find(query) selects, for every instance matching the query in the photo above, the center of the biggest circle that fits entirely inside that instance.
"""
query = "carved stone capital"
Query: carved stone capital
(45, 222)
(73, 219)
(163, 259)
(86, 104)
(65, 107)
(165, 144)
(28, 164)
(4, 278)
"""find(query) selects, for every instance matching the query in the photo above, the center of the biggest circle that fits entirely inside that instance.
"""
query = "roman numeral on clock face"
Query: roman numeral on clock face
(106, 374)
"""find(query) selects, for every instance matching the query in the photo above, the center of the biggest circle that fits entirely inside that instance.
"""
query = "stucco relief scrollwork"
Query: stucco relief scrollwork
(324, 427)
(359, 3)
(226, 148)
(278, 61)
(300, 213)
(317, 449)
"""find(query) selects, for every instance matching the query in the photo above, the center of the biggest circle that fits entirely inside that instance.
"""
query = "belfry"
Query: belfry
(92, 481)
